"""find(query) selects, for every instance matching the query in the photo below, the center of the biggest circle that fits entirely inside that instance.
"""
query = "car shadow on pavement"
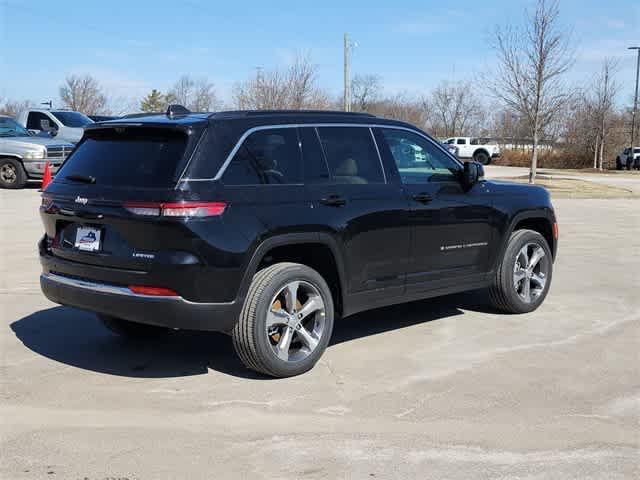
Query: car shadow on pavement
(77, 338)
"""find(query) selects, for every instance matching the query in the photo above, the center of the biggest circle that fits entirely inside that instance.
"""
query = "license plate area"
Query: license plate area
(88, 239)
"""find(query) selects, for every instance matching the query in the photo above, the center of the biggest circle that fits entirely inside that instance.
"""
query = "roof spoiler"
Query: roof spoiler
(176, 110)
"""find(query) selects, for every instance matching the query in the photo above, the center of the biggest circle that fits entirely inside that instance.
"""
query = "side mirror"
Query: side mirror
(472, 173)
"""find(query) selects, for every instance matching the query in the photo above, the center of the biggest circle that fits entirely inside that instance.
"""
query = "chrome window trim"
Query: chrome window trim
(373, 137)
(370, 126)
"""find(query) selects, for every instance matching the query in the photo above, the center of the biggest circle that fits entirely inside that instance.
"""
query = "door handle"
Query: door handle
(422, 197)
(333, 201)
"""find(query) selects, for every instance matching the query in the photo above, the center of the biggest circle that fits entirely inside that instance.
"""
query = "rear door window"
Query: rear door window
(269, 156)
(132, 157)
(351, 154)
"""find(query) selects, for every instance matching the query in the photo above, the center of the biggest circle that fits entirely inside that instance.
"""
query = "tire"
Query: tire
(132, 330)
(482, 157)
(618, 164)
(509, 295)
(12, 174)
(260, 331)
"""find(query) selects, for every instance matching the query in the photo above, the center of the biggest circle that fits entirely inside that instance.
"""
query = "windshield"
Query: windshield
(72, 119)
(10, 128)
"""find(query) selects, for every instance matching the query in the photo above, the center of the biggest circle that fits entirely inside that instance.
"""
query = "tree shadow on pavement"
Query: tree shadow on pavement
(77, 338)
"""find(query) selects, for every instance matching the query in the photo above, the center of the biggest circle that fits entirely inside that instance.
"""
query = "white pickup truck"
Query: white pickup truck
(479, 149)
(23, 155)
(62, 124)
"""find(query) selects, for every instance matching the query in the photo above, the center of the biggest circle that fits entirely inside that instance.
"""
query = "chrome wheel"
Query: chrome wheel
(530, 272)
(8, 173)
(296, 320)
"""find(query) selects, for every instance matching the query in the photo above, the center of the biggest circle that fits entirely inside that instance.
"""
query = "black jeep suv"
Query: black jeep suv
(269, 225)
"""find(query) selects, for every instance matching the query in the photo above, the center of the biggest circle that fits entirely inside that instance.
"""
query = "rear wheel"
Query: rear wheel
(132, 330)
(12, 174)
(482, 157)
(524, 275)
(286, 321)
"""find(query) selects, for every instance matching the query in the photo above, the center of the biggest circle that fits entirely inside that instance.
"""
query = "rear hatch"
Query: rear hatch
(114, 202)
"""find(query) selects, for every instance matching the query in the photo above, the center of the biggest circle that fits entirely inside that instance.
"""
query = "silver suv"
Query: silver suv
(23, 155)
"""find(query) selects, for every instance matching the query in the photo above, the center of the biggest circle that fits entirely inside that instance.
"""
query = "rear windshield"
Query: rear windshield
(133, 157)
(72, 119)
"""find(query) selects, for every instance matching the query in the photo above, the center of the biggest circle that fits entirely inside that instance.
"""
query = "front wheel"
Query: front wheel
(12, 174)
(286, 321)
(523, 277)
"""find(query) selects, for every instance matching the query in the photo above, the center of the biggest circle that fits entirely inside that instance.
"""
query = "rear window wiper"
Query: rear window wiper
(81, 178)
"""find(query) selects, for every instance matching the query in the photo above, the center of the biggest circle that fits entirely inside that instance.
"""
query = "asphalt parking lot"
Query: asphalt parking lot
(445, 388)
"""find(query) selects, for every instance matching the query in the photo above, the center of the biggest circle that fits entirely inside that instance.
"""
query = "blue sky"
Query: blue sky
(133, 46)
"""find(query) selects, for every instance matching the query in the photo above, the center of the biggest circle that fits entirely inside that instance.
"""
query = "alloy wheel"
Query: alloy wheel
(8, 173)
(295, 321)
(530, 272)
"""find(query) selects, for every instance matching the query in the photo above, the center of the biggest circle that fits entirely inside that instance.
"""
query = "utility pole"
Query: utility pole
(347, 78)
(635, 101)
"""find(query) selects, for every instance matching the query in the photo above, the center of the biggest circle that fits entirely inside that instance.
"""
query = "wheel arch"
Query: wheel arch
(12, 156)
(540, 221)
(316, 250)
(481, 150)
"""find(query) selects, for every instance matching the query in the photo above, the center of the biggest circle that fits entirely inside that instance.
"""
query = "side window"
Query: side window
(315, 165)
(351, 154)
(461, 141)
(266, 157)
(451, 141)
(419, 160)
(34, 120)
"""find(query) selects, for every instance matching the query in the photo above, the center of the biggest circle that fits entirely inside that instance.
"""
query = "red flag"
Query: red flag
(46, 178)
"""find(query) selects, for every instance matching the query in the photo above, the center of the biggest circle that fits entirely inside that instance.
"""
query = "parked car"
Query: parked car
(102, 118)
(480, 150)
(23, 156)
(628, 160)
(271, 225)
(63, 124)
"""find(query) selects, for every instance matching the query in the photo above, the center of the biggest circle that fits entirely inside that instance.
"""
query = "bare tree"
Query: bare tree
(531, 64)
(455, 108)
(401, 107)
(294, 88)
(83, 94)
(204, 97)
(182, 91)
(365, 91)
(605, 90)
(197, 95)
(12, 108)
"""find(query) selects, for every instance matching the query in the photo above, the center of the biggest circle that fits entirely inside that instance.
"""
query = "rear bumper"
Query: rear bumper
(495, 155)
(120, 302)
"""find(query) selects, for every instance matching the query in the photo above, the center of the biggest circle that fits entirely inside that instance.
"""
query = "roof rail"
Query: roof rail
(175, 110)
(252, 113)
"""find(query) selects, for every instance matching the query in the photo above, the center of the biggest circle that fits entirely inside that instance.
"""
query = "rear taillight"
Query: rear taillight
(176, 209)
(153, 291)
